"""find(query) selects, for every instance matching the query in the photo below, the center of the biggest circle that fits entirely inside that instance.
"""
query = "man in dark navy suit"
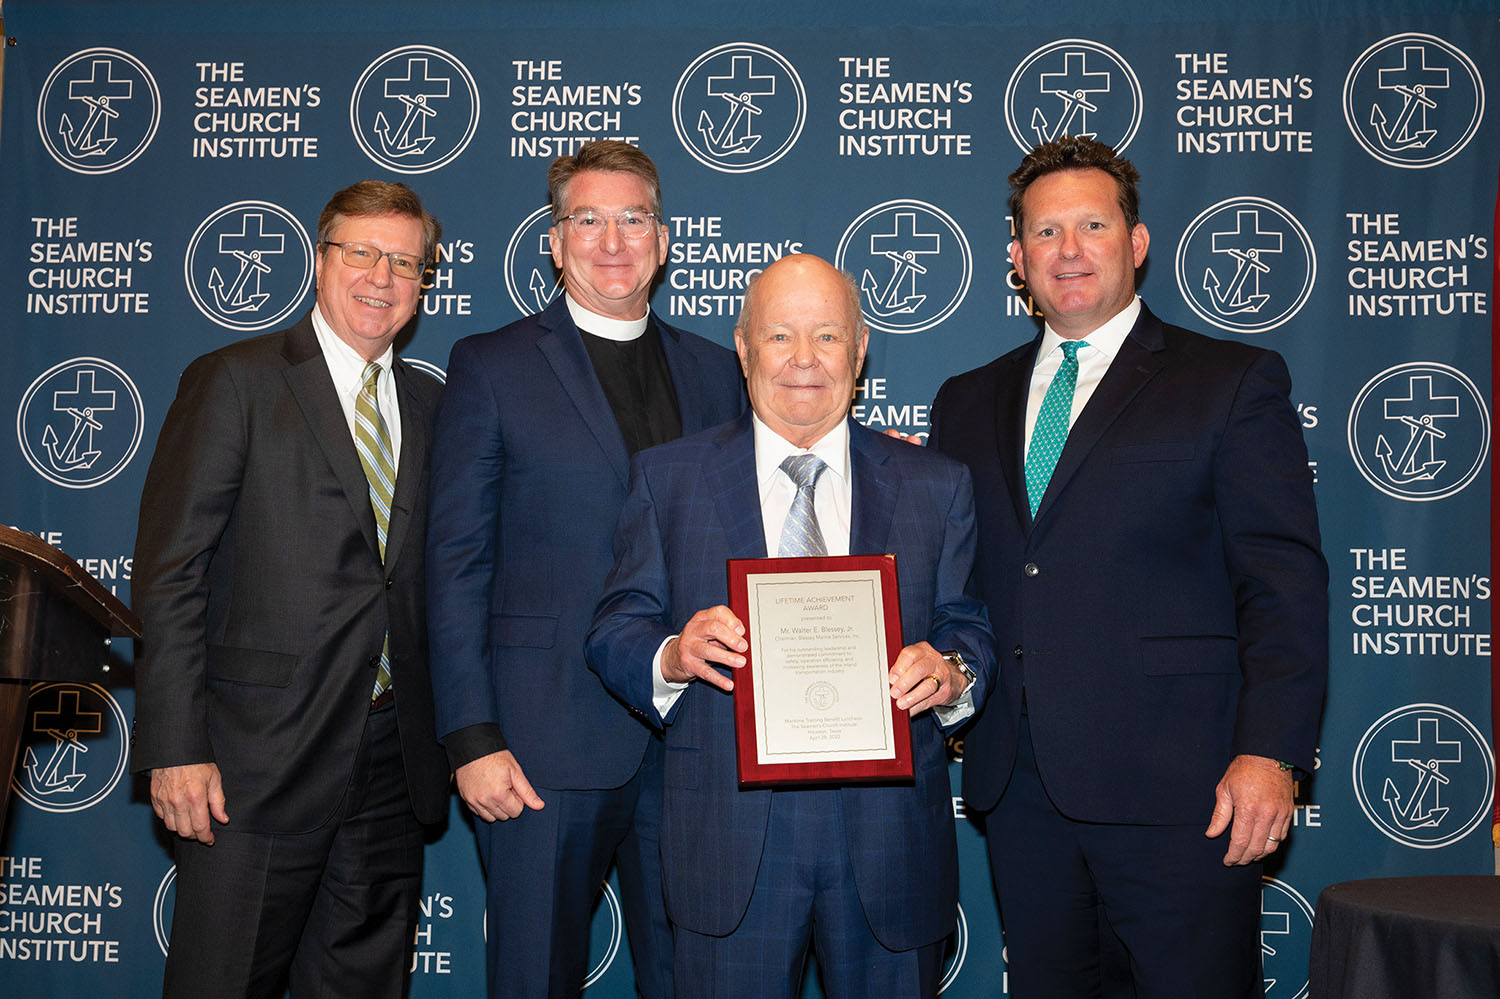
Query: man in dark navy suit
(1149, 552)
(534, 435)
(867, 874)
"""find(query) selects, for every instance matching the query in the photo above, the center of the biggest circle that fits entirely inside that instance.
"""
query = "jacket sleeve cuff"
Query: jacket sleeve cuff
(468, 744)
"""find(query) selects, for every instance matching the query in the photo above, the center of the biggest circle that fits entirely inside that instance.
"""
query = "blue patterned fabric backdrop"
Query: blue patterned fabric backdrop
(1321, 187)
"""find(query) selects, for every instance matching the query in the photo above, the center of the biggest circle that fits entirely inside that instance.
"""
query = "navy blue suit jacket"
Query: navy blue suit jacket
(528, 474)
(1167, 609)
(692, 505)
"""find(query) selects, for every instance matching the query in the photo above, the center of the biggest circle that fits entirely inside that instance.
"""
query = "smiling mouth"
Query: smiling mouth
(374, 303)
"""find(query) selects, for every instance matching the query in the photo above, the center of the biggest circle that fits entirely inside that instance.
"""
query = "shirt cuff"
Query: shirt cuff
(664, 692)
(961, 710)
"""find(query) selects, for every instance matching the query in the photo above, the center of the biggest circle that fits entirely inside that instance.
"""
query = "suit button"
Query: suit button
(1032, 570)
(374, 662)
(390, 583)
(1017, 652)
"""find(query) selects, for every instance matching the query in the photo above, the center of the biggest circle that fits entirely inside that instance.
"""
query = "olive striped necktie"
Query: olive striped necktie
(373, 442)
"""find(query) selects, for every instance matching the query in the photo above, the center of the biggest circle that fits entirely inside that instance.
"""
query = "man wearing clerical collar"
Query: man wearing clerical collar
(534, 436)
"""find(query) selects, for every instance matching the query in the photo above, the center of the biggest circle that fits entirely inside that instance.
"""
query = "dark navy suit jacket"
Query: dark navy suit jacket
(695, 503)
(1167, 609)
(528, 474)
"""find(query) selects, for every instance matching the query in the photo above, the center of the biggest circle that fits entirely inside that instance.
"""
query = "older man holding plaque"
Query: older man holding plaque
(866, 872)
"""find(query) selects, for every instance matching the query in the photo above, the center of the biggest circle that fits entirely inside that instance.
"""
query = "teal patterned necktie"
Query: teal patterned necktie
(373, 442)
(1051, 430)
(801, 536)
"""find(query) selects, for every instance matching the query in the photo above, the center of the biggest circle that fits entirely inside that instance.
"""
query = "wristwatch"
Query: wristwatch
(957, 662)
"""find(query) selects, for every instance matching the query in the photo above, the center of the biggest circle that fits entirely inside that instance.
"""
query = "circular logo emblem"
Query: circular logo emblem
(428, 368)
(162, 909)
(913, 265)
(80, 422)
(73, 748)
(1423, 774)
(1286, 922)
(530, 277)
(1246, 265)
(98, 110)
(607, 925)
(249, 265)
(1419, 431)
(822, 695)
(415, 109)
(1413, 100)
(1073, 87)
(739, 107)
(956, 948)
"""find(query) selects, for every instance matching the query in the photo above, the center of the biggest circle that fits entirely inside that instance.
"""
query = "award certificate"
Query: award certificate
(812, 703)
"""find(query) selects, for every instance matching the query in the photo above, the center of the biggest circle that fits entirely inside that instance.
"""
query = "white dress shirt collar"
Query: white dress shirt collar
(1107, 339)
(1093, 362)
(347, 369)
(343, 358)
(771, 449)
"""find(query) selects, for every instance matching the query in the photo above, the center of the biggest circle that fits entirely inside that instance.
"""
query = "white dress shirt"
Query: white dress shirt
(348, 368)
(1093, 361)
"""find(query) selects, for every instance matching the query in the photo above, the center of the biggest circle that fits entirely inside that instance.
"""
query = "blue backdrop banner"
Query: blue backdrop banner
(1324, 188)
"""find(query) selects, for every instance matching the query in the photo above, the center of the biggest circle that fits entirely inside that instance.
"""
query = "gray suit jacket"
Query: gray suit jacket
(258, 575)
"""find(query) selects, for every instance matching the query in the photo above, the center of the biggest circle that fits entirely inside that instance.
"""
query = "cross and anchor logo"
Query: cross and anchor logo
(249, 248)
(249, 265)
(1413, 100)
(80, 422)
(1286, 922)
(1246, 265)
(896, 294)
(98, 110)
(1423, 775)
(530, 277)
(74, 750)
(914, 264)
(739, 107)
(415, 109)
(1419, 431)
(1073, 87)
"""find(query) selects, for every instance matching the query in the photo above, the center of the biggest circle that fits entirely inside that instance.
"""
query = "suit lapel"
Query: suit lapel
(1013, 386)
(873, 491)
(685, 379)
(414, 443)
(735, 492)
(1138, 361)
(312, 386)
(562, 345)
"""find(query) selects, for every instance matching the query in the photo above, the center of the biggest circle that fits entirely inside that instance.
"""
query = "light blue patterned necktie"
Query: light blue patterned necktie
(1051, 430)
(801, 535)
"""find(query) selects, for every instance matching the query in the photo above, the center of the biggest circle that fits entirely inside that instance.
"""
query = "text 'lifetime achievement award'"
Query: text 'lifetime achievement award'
(812, 703)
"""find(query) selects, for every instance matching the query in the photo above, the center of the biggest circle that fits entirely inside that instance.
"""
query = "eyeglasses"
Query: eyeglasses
(364, 257)
(589, 226)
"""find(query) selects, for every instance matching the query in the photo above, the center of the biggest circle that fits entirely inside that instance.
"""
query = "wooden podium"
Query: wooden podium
(56, 622)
